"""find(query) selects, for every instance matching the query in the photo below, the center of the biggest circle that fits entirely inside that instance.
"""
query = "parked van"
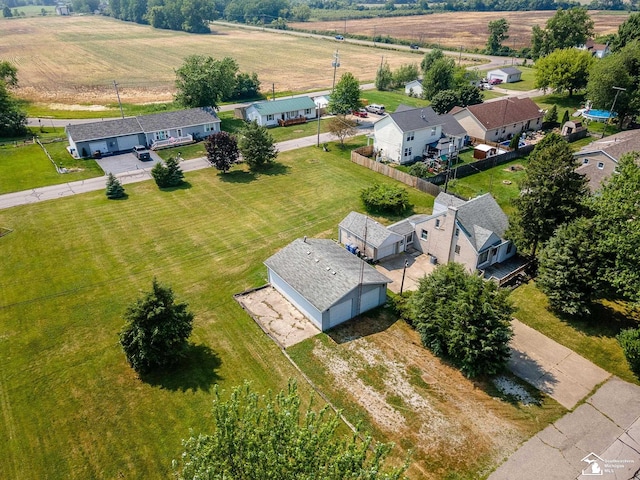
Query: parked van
(377, 109)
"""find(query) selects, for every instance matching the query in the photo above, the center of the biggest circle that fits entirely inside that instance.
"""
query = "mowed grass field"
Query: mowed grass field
(70, 407)
(76, 59)
(453, 30)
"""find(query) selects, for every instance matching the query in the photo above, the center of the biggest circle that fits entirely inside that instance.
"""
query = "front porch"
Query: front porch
(172, 142)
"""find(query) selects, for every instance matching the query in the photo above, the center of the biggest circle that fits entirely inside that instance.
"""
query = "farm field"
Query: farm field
(74, 60)
(70, 407)
(455, 29)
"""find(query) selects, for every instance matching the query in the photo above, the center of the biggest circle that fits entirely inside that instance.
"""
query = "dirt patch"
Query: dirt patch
(471, 28)
(514, 168)
(86, 108)
(417, 401)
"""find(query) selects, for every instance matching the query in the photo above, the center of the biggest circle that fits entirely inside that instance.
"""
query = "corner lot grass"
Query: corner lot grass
(26, 166)
(70, 407)
(526, 83)
(592, 337)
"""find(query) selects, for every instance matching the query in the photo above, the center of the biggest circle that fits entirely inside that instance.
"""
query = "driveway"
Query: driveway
(126, 162)
(600, 439)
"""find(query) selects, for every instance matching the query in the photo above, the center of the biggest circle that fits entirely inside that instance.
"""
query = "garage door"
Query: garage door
(369, 300)
(95, 146)
(127, 143)
(386, 251)
(339, 313)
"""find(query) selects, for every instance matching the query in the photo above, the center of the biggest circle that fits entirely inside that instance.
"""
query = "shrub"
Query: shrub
(114, 187)
(385, 198)
(629, 340)
(168, 175)
(419, 169)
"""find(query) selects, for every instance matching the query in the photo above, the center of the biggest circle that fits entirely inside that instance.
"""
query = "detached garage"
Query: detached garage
(325, 282)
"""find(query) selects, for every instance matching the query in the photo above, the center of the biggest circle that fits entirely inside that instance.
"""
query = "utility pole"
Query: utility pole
(335, 64)
(115, 85)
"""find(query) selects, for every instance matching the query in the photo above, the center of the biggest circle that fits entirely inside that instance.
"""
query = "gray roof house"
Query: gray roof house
(411, 134)
(325, 282)
(470, 232)
(506, 74)
(284, 112)
(158, 130)
(372, 239)
(599, 159)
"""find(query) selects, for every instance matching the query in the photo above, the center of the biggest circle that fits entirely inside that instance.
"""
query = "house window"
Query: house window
(600, 165)
(269, 118)
(407, 152)
(307, 111)
(433, 131)
(483, 257)
(437, 223)
(424, 234)
(457, 249)
(585, 161)
(509, 247)
(209, 127)
(161, 135)
(457, 232)
(497, 132)
(410, 136)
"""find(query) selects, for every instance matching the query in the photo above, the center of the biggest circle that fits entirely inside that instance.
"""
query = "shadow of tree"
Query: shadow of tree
(604, 321)
(183, 186)
(275, 168)
(196, 371)
(369, 323)
(237, 176)
(124, 196)
(531, 371)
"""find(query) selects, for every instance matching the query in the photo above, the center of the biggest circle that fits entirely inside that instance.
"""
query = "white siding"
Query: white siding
(370, 300)
(340, 313)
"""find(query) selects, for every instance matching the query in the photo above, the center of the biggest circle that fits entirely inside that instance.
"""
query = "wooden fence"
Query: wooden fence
(359, 156)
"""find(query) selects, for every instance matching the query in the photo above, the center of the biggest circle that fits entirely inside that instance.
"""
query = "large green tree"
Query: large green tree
(566, 29)
(430, 57)
(552, 194)
(384, 77)
(345, 96)
(464, 318)
(563, 70)
(204, 82)
(13, 120)
(8, 74)
(440, 76)
(568, 267)
(497, 34)
(268, 437)
(157, 330)
(257, 146)
(619, 70)
(628, 31)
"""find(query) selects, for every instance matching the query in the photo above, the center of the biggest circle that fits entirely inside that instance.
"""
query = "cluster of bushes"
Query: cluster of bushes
(385, 198)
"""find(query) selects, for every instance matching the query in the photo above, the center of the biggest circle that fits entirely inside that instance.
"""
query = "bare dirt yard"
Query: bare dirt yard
(74, 60)
(455, 29)
(377, 371)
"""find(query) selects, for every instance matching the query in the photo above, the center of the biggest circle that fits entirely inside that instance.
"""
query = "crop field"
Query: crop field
(74, 60)
(457, 29)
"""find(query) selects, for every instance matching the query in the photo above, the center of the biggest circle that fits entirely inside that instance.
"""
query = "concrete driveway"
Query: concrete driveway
(418, 265)
(126, 162)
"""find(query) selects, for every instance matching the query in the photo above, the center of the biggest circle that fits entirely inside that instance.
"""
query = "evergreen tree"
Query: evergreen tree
(552, 115)
(565, 117)
(114, 187)
(157, 330)
(257, 146)
(463, 318)
(552, 194)
(384, 77)
(168, 175)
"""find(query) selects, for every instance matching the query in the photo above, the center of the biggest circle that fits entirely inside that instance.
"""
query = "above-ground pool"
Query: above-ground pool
(598, 115)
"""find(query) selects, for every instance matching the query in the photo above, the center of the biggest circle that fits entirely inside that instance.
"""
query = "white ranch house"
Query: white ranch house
(155, 131)
(275, 112)
(411, 134)
(413, 88)
(325, 282)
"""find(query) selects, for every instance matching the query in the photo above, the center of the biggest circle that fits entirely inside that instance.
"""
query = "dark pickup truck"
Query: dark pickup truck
(141, 152)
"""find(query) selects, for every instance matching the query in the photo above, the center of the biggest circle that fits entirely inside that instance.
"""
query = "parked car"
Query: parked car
(361, 112)
(495, 81)
(141, 152)
(485, 86)
(413, 46)
(339, 37)
(377, 109)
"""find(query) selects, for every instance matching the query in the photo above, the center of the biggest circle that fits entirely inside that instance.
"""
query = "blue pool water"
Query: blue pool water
(598, 114)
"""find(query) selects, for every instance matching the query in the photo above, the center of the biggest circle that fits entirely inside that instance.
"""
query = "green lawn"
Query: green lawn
(70, 406)
(526, 83)
(24, 166)
(392, 99)
(593, 337)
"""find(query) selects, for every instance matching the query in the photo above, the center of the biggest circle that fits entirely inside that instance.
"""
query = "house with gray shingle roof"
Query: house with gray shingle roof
(325, 282)
(599, 159)
(410, 134)
(272, 113)
(157, 130)
(499, 120)
(469, 232)
(372, 239)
